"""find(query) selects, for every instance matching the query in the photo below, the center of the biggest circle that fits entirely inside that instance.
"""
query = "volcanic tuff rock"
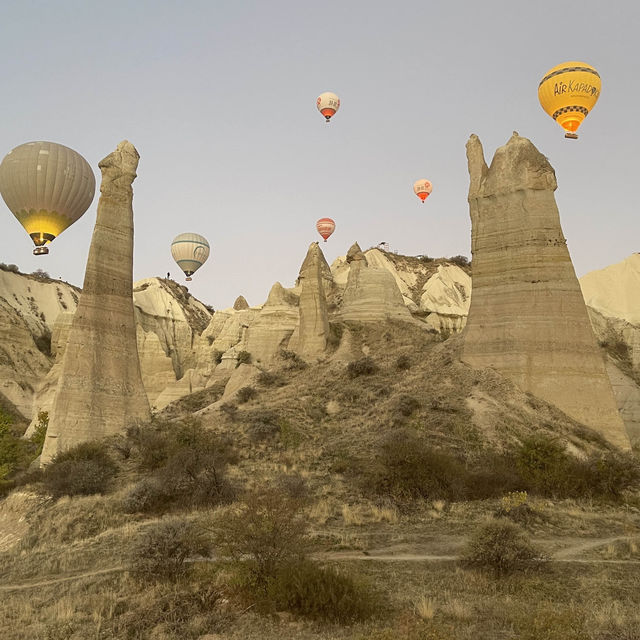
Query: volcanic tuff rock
(314, 319)
(29, 306)
(100, 388)
(371, 293)
(527, 317)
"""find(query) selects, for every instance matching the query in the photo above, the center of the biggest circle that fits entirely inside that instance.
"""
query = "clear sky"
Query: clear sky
(219, 96)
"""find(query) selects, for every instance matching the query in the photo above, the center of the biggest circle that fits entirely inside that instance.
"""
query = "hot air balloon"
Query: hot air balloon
(325, 227)
(422, 188)
(190, 251)
(568, 92)
(328, 103)
(47, 187)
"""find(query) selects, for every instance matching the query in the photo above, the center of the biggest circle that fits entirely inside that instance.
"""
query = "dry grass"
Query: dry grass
(425, 607)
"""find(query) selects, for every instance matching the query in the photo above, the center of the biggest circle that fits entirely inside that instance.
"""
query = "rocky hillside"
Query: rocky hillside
(185, 348)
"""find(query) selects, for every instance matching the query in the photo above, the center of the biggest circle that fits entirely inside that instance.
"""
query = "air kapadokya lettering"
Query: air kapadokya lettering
(575, 87)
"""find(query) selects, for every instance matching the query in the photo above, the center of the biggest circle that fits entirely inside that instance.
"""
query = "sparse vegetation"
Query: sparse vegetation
(160, 550)
(243, 357)
(500, 546)
(84, 469)
(245, 394)
(362, 367)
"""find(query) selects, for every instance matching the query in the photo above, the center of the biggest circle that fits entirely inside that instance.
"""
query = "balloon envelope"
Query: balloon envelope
(422, 188)
(47, 187)
(328, 103)
(190, 251)
(568, 92)
(325, 227)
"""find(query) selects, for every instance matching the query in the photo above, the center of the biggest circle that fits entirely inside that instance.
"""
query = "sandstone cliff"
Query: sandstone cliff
(100, 388)
(527, 317)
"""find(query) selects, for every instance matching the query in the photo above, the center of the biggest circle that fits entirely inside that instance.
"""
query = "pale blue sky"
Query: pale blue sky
(219, 99)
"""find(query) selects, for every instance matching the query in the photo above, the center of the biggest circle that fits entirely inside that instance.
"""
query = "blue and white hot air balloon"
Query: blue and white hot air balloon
(190, 251)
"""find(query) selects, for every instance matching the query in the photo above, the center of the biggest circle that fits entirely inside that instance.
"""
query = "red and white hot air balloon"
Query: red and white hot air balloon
(325, 227)
(422, 188)
(328, 103)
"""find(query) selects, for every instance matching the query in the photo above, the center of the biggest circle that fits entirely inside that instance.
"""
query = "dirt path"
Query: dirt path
(386, 554)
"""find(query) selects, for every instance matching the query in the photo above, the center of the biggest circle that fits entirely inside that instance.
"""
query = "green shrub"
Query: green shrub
(362, 367)
(40, 432)
(293, 360)
(243, 357)
(461, 261)
(403, 363)
(245, 394)
(265, 532)
(216, 356)
(404, 468)
(322, 593)
(335, 334)
(269, 379)
(500, 546)
(406, 405)
(84, 469)
(161, 549)
(544, 465)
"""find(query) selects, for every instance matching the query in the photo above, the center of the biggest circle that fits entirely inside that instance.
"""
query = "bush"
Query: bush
(267, 531)
(293, 360)
(405, 468)
(406, 405)
(322, 593)
(243, 357)
(40, 432)
(216, 356)
(269, 379)
(403, 363)
(41, 274)
(500, 546)
(461, 261)
(245, 394)
(543, 465)
(363, 367)
(84, 469)
(13, 268)
(161, 549)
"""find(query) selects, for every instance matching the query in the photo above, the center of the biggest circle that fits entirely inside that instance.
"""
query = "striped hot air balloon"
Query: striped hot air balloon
(190, 251)
(568, 92)
(325, 227)
(422, 188)
(47, 187)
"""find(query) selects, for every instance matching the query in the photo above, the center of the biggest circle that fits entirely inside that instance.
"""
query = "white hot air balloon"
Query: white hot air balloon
(190, 251)
(47, 187)
(328, 103)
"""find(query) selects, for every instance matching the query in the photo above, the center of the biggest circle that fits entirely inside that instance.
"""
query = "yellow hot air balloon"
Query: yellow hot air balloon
(47, 187)
(568, 92)
(190, 251)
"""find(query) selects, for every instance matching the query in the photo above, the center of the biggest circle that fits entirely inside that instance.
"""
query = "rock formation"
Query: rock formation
(100, 389)
(313, 331)
(371, 293)
(274, 325)
(446, 296)
(240, 304)
(527, 317)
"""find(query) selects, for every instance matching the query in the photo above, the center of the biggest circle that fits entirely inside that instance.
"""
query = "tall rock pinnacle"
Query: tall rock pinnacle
(527, 318)
(100, 388)
(314, 318)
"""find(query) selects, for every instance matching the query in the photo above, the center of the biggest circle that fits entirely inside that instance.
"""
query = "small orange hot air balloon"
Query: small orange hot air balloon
(325, 227)
(422, 188)
(328, 103)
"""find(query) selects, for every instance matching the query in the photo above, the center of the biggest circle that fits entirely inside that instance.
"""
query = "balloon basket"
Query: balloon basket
(40, 251)
(188, 279)
(571, 136)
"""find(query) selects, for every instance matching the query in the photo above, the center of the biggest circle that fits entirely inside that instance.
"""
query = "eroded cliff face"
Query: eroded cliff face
(100, 388)
(527, 317)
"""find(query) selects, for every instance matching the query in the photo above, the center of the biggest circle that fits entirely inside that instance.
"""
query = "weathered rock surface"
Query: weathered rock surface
(100, 389)
(314, 318)
(371, 293)
(527, 317)
(240, 304)
(29, 306)
(271, 329)
(613, 297)
(446, 298)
